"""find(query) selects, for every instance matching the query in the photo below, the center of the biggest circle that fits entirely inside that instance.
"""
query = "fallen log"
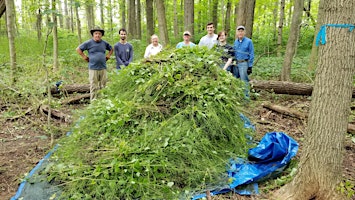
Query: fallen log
(72, 88)
(294, 113)
(54, 113)
(286, 111)
(76, 99)
(284, 87)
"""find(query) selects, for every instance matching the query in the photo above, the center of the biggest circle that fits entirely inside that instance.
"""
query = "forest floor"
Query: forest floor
(23, 141)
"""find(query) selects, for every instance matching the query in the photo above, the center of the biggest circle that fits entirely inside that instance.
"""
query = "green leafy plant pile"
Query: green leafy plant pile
(160, 130)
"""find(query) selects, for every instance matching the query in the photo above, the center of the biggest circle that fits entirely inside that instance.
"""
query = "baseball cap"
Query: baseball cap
(187, 33)
(240, 27)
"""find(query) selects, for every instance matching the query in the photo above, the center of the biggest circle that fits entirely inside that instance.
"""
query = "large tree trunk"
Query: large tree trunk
(292, 40)
(139, 20)
(321, 160)
(123, 13)
(163, 30)
(90, 16)
(189, 16)
(246, 16)
(10, 24)
(149, 17)
(227, 19)
(132, 18)
(215, 13)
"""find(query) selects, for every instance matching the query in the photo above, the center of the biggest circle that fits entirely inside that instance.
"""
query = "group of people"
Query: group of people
(238, 59)
(97, 57)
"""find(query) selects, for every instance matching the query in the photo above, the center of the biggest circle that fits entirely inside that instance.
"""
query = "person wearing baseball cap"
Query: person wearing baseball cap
(244, 56)
(186, 42)
(96, 58)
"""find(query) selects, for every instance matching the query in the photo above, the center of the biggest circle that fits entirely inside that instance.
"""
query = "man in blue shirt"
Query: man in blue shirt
(244, 56)
(123, 50)
(96, 58)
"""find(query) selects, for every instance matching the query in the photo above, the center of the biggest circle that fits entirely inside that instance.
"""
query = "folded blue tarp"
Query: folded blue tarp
(271, 155)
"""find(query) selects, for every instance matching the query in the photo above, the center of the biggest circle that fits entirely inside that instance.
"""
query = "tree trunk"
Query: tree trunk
(66, 15)
(176, 20)
(139, 19)
(10, 24)
(246, 16)
(163, 30)
(149, 16)
(215, 13)
(227, 19)
(71, 16)
(110, 16)
(321, 160)
(314, 53)
(39, 25)
(90, 13)
(55, 36)
(292, 40)
(78, 26)
(102, 15)
(132, 18)
(189, 16)
(123, 13)
(59, 13)
(280, 27)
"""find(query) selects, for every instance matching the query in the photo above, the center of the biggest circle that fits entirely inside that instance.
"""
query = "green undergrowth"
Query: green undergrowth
(160, 130)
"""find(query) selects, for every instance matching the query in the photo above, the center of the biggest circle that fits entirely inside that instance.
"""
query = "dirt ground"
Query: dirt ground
(23, 141)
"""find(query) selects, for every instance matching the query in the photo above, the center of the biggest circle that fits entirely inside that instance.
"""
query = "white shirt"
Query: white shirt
(152, 50)
(208, 41)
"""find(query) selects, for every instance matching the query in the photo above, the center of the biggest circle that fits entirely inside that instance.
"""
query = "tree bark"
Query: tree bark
(89, 6)
(149, 17)
(292, 40)
(280, 27)
(78, 23)
(123, 13)
(55, 37)
(69, 89)
(163, 30)
(102, 15)
(139, 20)
(132, 19)
(189, 16)
(10, 24)
(246, 16)
(320, 167)
(283, 87)
(227, 19)
(215, 13)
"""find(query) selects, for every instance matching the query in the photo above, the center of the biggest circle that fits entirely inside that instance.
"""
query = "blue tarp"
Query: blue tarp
(271, 155)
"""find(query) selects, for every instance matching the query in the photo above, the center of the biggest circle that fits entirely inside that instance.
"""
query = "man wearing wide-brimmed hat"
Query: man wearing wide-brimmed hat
(96, 48)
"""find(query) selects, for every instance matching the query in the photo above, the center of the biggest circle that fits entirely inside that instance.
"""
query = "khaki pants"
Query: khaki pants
(98, 79)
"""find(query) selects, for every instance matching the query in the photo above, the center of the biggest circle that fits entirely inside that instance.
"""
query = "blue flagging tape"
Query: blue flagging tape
(322, 34)
(23, 183)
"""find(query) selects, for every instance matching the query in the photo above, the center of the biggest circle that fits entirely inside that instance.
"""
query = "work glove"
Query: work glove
(249, 70)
